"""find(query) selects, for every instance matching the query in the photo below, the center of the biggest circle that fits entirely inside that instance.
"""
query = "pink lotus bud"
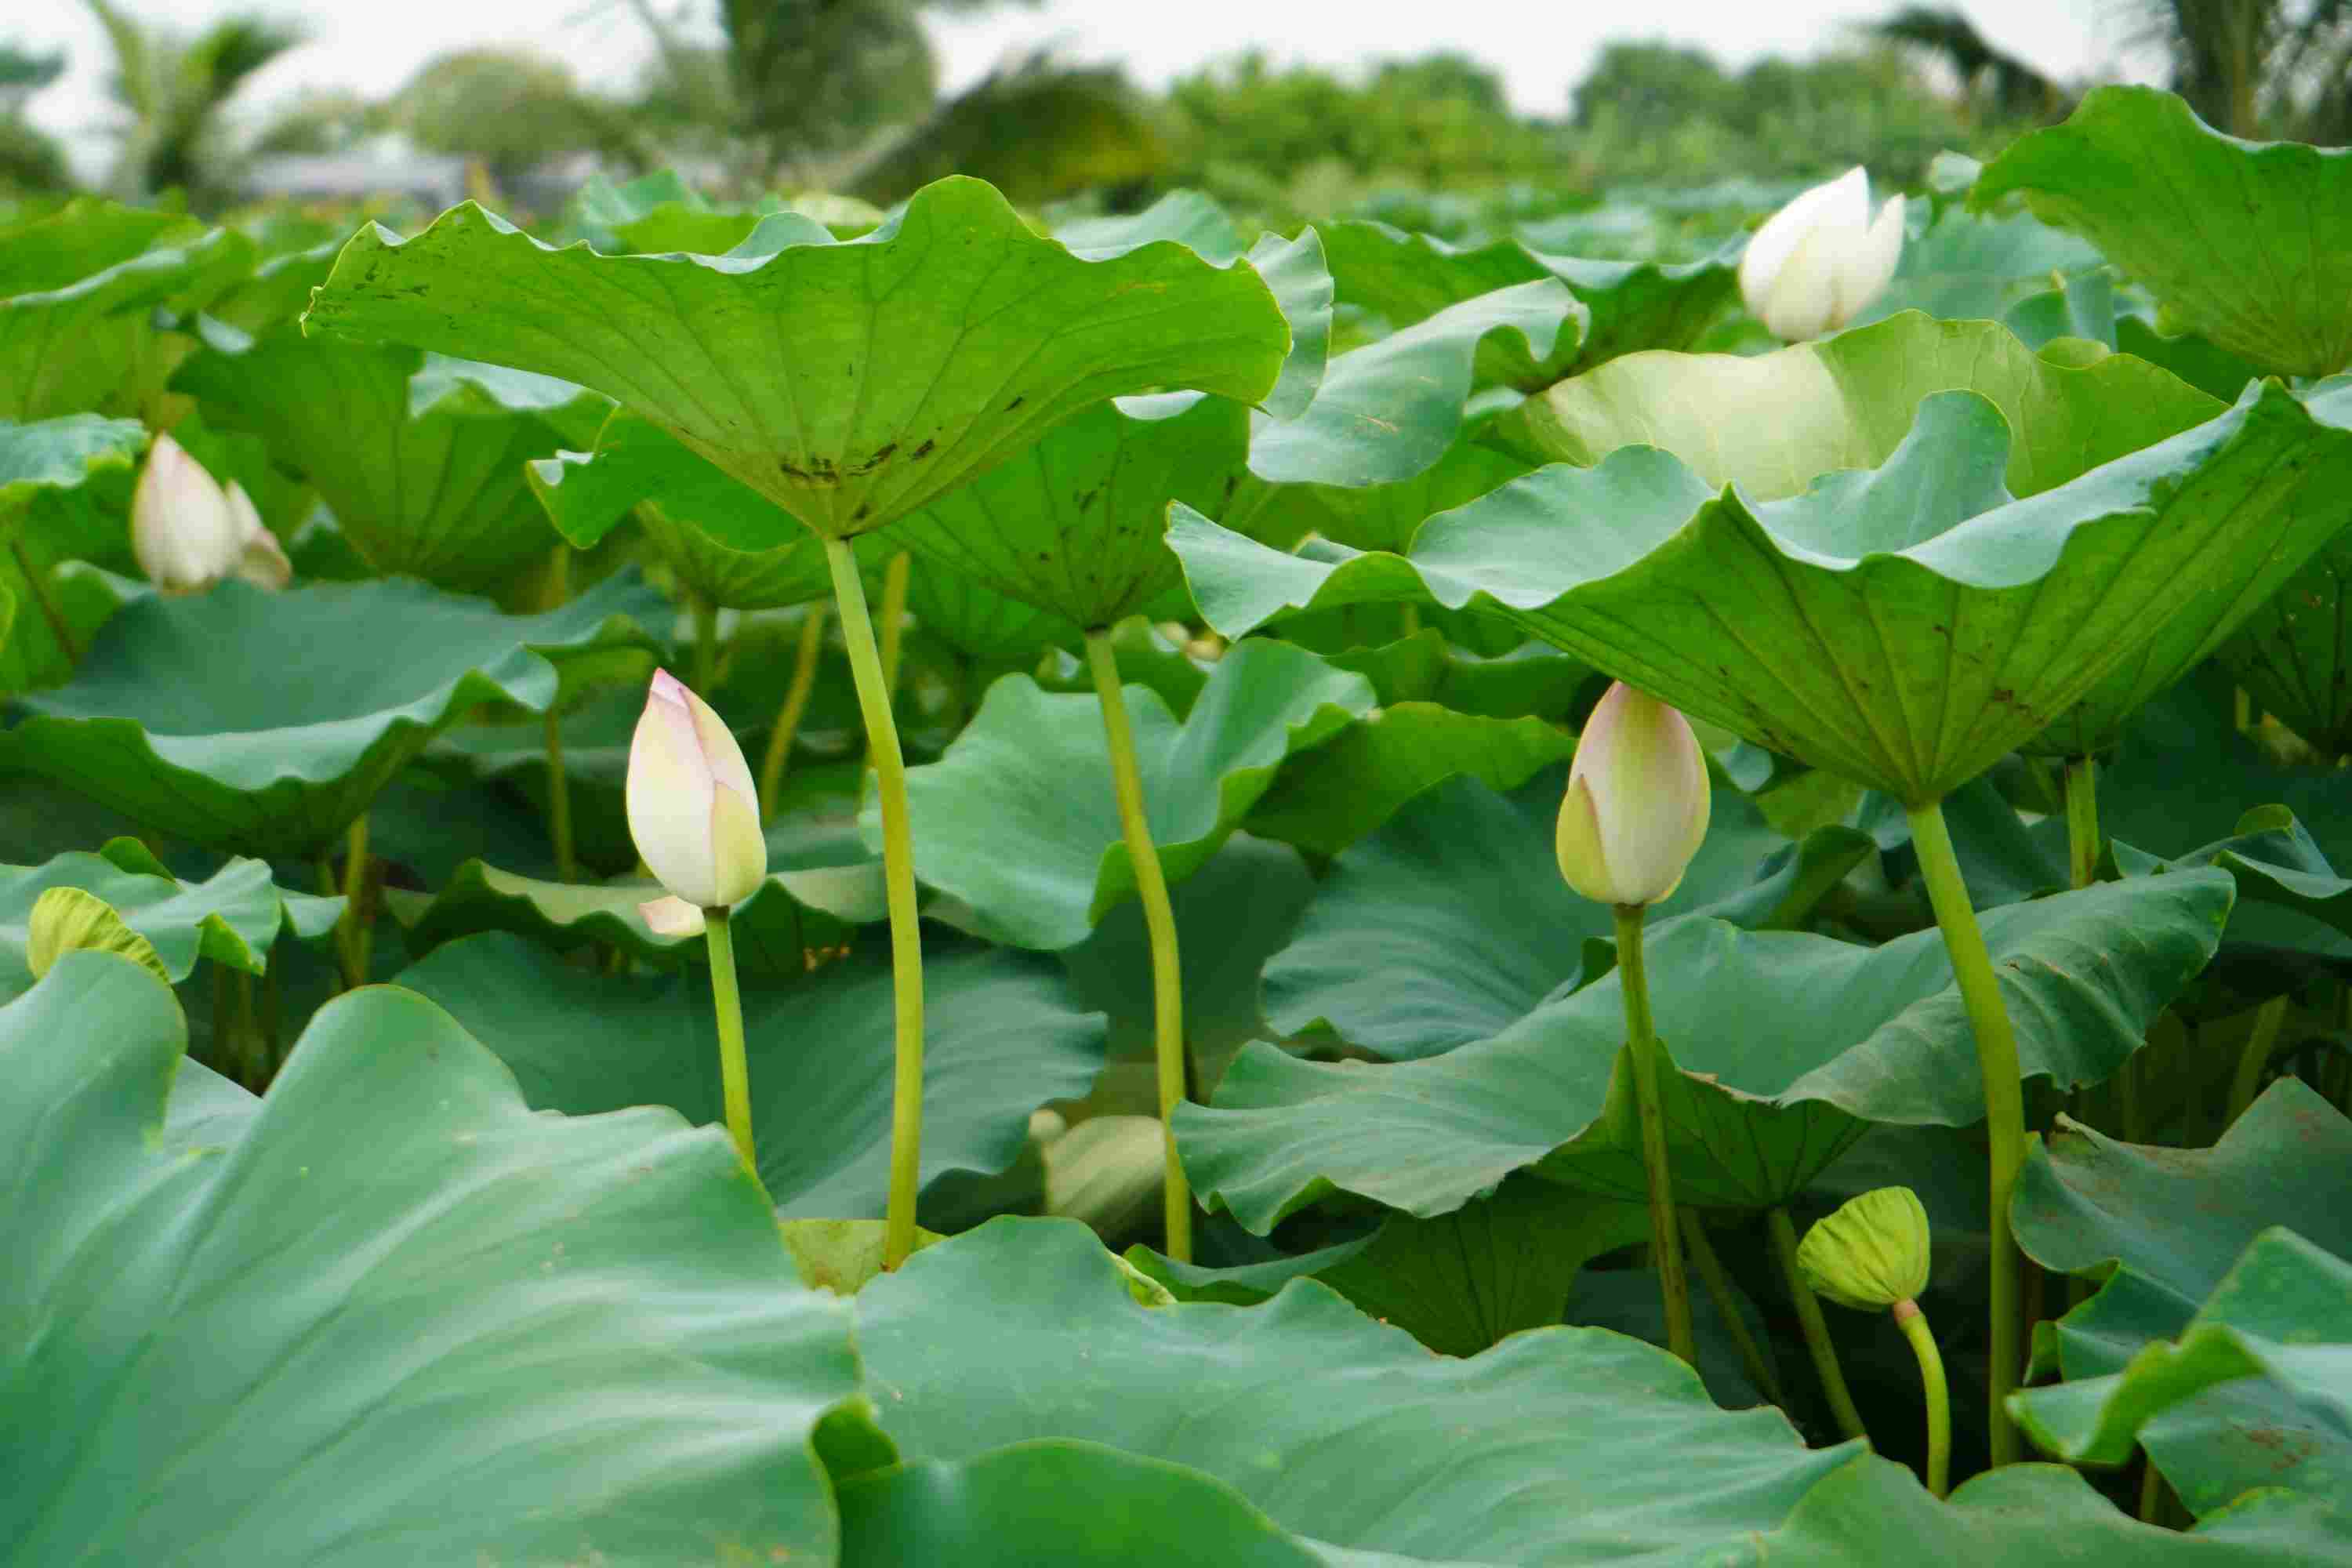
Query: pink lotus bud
(693, 810)
(182, 527)
(1637, 801)
(1818, 261)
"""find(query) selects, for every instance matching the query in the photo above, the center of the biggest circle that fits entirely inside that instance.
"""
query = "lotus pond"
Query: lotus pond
(777, 886)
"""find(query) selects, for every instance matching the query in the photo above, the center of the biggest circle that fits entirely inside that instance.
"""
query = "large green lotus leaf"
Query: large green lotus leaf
(1787, 1041)
(2290, 654)
(1531, 680)
(78, 292)
(1628, 305)
(789, 916)
(989, 630)
(1343, 790)
(233, 917)
(1231, 915)
(694, 513)
(2283, 1313)
(1075, 525)
(2249, 244)
(195, 714)
(2287, 891)
(1018, 819)
(1969, 267)
(1848, 401)
(61, 453)
(1386, 411)
(1452, 923)
(1076, 1505)
(1459, 1283)
(1370, 517)
(386, 1314)
(2092, 305)
(2165, 1226)
(1874, 1512)
(848, 383)
(1552, 1443)
(2176, 1220)
(1901, 625)
(50, 513)
(1006, 1036)
(437, 495)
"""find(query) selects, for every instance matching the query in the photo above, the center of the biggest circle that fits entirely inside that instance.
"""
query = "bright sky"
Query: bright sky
(1541, 46)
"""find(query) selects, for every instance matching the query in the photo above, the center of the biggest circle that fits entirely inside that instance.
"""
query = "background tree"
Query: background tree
(174, 87)
(29, 160)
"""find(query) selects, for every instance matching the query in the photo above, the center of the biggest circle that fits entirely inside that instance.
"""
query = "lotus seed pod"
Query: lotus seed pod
(1870, 1254)
(71, 919)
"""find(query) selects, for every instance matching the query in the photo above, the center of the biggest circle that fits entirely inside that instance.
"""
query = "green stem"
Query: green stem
(892, 631)
(706, 646)
(2268, 1020)
(252, 1068)
(357, 935)
(2151, 1489)
(555, 588)
(1717, 1281)
(2004, 1103)
(224, 1015)
(273, 1002)
(1817, 1331)
(899, 884)
(1914, 1324)
(1412, 619)
(788, 717)
(2082, 819)
(734, 1067)
(559, 800)
(1160, 920)
(1643, 1049)
(59, 627)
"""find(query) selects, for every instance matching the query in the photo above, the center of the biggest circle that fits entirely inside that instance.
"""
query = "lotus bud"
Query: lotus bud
(692, 807)
(1818, 261)
(1872, 1254)
(182, 529)
(260, 561)
(1637, 801)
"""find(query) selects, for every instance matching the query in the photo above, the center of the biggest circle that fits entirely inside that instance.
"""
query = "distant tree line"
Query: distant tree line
(845, 94)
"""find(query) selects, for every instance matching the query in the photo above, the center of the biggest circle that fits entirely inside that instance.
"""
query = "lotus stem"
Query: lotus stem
(556, 586)
(1160, 921)
(706, 644)
(273, 1002)
(734, 1065)
(1914, 1323)
(894, 579)
(1642, 1047)
(1412, 619)
(1711, 1275)
(2268, 1020)
(2083, 820)
(559, 800)
(898, 883)
(357, 935)
(1817, 1331)
(788, 716)
(59, 627)
(2004, 1104)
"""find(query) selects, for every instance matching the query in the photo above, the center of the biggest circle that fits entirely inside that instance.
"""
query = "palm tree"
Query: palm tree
(173, 88)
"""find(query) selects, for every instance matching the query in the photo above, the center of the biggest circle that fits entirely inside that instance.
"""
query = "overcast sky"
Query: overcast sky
(1541, 47)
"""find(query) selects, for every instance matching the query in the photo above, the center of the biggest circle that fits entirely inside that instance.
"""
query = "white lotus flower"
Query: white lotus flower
(692, 807)
(188, 533)
(260, 560)
(1818, 261)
